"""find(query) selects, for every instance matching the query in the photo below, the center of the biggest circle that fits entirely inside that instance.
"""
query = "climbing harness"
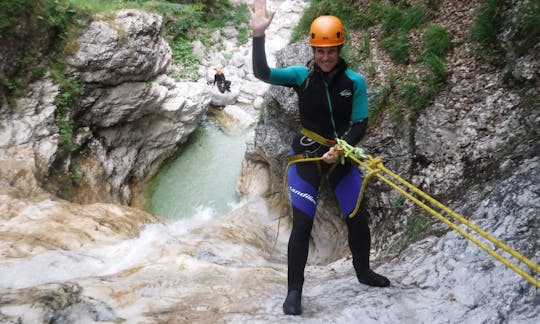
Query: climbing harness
(375, 167)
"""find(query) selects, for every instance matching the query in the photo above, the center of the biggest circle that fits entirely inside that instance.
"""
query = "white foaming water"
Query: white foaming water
(115, 256)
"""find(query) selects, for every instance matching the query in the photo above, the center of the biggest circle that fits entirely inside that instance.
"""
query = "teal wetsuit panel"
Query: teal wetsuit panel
(292, 75)
(360, 101)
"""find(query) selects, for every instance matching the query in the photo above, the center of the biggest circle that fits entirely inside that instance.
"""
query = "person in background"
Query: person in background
(333, 105)
(219, 78)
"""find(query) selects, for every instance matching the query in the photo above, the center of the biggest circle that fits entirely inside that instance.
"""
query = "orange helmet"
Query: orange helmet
(326, 31)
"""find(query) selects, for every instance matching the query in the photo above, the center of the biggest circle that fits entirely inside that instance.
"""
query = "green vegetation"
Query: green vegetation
(382, 100)
(397, 21)
(26, 24)
(74, 174)
(415, 226)
(414, 92)
(399, 204)
(484, 31)
(184, 23)
(38, 15)
(70, 91)
(397, 47)
(436, 41)
(525, 29)
(363, 54)
(487, 21)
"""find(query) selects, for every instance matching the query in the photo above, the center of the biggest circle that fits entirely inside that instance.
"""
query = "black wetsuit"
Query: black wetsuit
(219, 78)
(333, 105)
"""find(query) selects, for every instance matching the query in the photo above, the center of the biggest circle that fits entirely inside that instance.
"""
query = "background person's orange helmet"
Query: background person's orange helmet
(326, 31)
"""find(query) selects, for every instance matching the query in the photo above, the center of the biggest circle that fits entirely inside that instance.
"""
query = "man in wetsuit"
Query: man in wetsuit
(332, 104)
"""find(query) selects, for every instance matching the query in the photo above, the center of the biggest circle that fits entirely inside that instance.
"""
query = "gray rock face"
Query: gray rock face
(130, 118)
(130, 47)
(138, 116)
(30, 133)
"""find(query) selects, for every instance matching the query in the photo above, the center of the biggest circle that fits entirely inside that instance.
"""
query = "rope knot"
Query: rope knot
(347, 150)
(375, 163)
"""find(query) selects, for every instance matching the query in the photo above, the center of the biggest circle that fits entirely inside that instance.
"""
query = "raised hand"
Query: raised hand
(260, 19)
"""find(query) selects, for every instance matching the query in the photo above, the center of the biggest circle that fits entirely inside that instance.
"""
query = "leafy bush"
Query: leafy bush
(415, 226)
(397, 22)
(416, 94)
(399, 204)
(186, 22)
(66, 131)
(74, 174)
(183, 53)
(70, 91)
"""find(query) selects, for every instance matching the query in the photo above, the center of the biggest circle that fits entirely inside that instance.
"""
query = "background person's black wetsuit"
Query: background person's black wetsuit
(219, 78)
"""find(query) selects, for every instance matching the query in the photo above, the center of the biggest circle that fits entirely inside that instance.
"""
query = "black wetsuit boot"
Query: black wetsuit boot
(360, 245)
(297, 255)
(293, 303)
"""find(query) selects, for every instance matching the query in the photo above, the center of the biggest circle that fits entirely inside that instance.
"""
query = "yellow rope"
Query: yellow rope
(376, 168)
(362, 190)
(377, 164)
(467, 223)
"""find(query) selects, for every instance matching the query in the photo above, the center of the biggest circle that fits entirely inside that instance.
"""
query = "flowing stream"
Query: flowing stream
(202, 178)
